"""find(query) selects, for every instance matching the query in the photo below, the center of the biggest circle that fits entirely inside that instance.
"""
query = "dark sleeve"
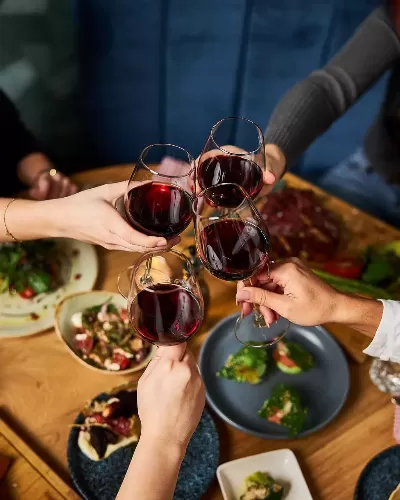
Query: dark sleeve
(311, 106)
(16, 140)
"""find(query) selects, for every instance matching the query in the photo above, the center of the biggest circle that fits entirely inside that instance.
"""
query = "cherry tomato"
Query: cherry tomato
(278, 358)
(122, 360)
(275, 418)
(85, 345)
(345, 268)
(27, 293)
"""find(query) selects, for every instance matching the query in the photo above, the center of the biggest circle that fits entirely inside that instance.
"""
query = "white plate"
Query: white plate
(20, 317)
(282, 465)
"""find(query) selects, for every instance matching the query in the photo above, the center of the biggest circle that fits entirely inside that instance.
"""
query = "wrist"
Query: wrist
(359, 313)
(28, 219)
(173, 451)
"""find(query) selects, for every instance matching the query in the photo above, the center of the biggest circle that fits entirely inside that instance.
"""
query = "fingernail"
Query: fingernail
(242, 295)
(162, 243)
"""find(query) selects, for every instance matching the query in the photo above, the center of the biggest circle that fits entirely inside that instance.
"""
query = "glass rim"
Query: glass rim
(261, 344)
(144, 257)
(260, 136)
(246, 199)
(191, 161)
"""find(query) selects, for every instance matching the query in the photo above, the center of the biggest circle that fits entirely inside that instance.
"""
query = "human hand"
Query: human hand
(275, 164)
(90, 216)
(45, 183)
(293, 291)
(52, 184)
(171, 397)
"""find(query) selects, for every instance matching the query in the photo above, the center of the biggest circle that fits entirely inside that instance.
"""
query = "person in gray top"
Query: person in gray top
(370, 179)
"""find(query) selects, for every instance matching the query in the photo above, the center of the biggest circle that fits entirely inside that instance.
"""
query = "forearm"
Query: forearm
(359, 313)
(29, 220)
(313, 105)
(153, 472)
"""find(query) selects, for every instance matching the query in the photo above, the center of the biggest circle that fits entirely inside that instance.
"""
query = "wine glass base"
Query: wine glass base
(249, 334)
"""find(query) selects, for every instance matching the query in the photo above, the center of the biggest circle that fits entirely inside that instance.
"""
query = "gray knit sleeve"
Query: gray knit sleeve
(311, 106)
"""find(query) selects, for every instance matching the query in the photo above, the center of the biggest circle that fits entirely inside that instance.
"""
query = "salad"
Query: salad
(284, 408)
(249, 365)
(292, 358)
(261, 486)
(31, 268)
(104, 338)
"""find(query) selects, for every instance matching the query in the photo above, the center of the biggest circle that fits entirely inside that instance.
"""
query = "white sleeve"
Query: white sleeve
(386, 343)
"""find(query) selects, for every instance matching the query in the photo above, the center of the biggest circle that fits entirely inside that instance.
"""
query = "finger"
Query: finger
(114, 190)
(125, 232)
(56, 186)
(268, 177)
(247, 308)
(64, 187)
(263, 297)
(174, 352)
(269, 314)
(43, 187)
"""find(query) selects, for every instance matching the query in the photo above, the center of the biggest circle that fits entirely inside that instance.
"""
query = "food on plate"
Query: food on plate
(374, 274)
(249, 364)
(292, 358)
(284, 408)
(261, 486)
(32, 267)
(109, 425)
(104, 338)
(301, 226)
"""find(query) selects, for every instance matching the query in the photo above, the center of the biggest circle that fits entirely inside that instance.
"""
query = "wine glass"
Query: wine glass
(158, 198)
(233, 243)
(248, 334)
(164, 301)
(233, 154)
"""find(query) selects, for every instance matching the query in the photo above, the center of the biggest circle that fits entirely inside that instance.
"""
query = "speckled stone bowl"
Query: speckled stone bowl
(101, 480)
(380, 477)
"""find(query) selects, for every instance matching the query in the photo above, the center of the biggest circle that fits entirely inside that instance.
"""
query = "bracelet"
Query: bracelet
(8, 232)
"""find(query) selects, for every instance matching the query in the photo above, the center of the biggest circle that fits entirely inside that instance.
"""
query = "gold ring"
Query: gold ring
(52, 172)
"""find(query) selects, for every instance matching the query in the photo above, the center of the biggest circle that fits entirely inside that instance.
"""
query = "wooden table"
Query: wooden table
(42, 388)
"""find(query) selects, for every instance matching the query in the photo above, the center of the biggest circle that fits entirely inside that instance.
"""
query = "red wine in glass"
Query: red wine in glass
(230, 169)
(158, 209)
(233, 249)
(166, 313)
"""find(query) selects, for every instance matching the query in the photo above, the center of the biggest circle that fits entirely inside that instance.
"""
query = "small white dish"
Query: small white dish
(282, 465)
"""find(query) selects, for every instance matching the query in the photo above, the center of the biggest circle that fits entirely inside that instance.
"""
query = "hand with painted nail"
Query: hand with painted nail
(291, 290)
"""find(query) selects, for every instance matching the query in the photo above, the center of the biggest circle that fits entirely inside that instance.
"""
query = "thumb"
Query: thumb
(269, 177)
(273, 300)
(114, 191)
(174, 352)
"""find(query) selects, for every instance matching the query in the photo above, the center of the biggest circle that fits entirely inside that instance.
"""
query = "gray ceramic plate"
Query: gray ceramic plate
(323, 390)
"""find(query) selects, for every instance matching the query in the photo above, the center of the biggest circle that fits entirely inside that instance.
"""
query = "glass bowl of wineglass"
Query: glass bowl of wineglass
(233, 243)
(248, 334)
(164, 300)
(233, 154)
(158, 197)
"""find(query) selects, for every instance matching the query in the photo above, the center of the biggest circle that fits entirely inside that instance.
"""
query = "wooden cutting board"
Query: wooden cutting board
(28, 477)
